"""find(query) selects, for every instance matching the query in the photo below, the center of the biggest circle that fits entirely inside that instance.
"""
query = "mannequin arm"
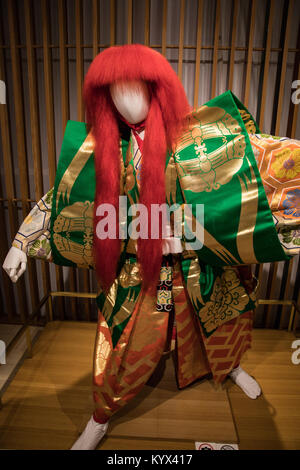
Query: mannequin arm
(33, 235)
(32, 239)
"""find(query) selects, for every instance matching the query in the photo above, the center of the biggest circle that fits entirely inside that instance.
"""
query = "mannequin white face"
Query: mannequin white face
(132, 100)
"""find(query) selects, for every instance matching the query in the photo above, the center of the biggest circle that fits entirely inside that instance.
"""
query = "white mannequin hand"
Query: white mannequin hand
(15, 263)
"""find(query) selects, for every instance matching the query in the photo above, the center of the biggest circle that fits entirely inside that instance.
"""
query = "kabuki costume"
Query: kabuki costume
(216, 156)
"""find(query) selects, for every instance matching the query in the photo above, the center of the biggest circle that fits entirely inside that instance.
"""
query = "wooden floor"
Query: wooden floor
(49, 400)
(273, 420)
(15, 356)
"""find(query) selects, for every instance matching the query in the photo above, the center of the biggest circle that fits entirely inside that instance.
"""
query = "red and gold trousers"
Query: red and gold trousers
(120, 373)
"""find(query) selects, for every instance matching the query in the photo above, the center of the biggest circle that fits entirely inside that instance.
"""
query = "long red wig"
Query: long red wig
(168, 109)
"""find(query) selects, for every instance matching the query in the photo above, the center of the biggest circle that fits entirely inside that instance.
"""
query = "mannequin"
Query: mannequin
(132, 100)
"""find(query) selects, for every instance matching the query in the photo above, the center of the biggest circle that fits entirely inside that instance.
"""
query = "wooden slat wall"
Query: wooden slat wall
(95, 27)
(65, 113)
(147, 23)
(164, 28)
(35, 124)
(7, 287)
(49, 106)
(249, 53)
(233, 44)
(284, 66)
(80, 115)
(198, 53)
(112, 22)
(216, 48)
(12, 126)
(266, 64)
(129, 22)
(20, 138)
(181, 37)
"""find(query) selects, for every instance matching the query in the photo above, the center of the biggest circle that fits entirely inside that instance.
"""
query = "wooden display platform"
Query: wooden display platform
(49, 400)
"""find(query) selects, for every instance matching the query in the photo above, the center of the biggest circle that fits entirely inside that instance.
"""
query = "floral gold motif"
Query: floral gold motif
(227, 301)
(286, 165)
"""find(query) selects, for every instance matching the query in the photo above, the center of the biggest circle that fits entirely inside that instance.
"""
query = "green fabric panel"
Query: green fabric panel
(266, 242)
(208, 275)
(74, 136)
(222, 206)
(83, 188)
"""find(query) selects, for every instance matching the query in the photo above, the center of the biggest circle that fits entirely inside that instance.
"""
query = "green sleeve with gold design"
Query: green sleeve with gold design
(73, 199)
(217, 169)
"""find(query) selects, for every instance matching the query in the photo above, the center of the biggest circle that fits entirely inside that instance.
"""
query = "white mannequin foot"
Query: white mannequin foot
(91, 436)
(245, 382)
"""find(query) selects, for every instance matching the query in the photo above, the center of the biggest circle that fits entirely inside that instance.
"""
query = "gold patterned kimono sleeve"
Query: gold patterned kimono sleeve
(33, 236)
(278, 160)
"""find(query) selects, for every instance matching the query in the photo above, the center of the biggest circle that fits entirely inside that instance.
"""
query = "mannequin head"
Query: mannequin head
(132, 99)
(138, 83)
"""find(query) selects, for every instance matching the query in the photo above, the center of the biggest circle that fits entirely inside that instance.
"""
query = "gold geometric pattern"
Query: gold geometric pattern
(77, 217)
(210, 170)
